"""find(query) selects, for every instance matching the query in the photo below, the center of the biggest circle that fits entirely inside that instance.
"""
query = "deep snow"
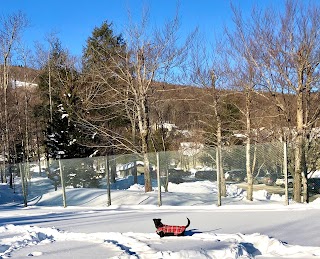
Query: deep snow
(264, 228)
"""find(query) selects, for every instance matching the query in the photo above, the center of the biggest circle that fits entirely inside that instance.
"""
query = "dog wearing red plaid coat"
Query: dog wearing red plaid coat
(168, 230)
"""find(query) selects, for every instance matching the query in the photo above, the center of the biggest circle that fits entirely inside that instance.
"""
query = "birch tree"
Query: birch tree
(283, 49)
(246, 82)
(208, 66)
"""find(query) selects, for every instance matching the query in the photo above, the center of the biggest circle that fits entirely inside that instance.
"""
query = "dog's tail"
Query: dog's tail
(188, 223)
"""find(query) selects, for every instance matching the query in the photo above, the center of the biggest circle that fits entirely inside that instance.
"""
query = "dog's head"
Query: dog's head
(157, 223)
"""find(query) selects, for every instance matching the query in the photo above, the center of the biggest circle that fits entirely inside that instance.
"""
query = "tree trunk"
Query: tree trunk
(221, 180)
(249, 172)
(218, 165)
(24, 185)
(134, 171)
(308, 107)
(143, 122)
(113, 167)
(299, 149)
(166, 184)
(38, 148)
(27, 131)
(3, 169)
(248, 156)
(147, 176)
(6, 122)
(108, 181)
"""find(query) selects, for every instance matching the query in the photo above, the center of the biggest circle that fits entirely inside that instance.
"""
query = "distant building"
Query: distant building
(127, 169)
(166, 125)
(17, 83)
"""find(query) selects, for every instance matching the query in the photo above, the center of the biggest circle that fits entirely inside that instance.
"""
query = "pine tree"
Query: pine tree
(102, 47)
(64, 137)
(102, 51)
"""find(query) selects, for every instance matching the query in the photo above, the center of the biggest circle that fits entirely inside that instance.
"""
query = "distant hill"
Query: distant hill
(191, 108)
(186, 106)
(23, 74)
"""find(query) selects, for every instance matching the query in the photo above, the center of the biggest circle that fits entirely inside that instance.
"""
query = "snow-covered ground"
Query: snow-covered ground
(87, 228)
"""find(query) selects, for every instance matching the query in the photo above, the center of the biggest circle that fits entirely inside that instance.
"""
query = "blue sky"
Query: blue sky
(74, 20)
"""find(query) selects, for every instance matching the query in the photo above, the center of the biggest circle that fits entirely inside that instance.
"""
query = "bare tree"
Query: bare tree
(11, 28)
(245, 81)
(150, 59)
(146, 59)
(283, 49)
(244, 76)
(208, 68)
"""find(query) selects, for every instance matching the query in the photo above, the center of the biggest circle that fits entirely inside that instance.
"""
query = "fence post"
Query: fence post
(159, 180)
(63, 185)
(108, 181)
(285, 172)
(218, 165)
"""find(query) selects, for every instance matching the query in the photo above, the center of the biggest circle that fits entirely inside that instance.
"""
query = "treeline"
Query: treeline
(260, 80)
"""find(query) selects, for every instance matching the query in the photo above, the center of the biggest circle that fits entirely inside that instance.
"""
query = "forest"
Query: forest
(260, 80)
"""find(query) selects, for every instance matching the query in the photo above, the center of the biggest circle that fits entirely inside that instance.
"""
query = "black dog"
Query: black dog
(167, 230)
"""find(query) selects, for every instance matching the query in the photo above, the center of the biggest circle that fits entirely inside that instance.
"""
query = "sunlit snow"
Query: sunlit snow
(87, 228)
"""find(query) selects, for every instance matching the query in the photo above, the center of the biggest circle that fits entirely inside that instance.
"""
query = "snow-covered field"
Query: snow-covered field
(264, 228)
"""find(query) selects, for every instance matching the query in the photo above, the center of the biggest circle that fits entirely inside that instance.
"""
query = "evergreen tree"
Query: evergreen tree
(102, 47)
(64, 137)
(99, 56)
(99, 109)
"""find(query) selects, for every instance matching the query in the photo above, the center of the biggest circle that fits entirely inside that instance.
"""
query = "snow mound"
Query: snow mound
(133, 245)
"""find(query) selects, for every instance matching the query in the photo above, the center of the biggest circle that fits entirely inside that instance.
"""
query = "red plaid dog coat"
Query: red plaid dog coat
(169, 230)
(176, 230)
